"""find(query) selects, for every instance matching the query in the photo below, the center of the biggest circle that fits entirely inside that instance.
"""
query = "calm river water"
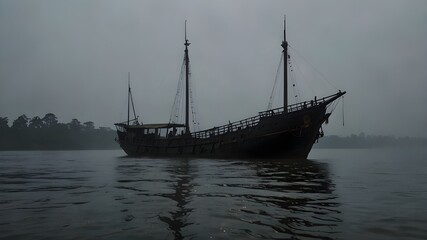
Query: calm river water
(336, 194)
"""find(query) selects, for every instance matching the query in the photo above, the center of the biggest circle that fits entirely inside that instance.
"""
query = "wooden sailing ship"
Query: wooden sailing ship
(286, 132)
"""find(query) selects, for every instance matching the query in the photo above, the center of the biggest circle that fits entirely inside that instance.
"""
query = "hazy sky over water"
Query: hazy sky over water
(72, 58)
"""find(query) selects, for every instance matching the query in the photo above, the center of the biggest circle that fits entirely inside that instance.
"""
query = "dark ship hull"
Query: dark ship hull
(272, 134)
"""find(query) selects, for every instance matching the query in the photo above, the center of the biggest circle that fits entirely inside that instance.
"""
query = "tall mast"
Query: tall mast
(285, 67)
(187, 84)
(128, 95)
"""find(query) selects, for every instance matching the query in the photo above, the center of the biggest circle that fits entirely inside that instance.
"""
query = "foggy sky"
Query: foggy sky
(72, 58)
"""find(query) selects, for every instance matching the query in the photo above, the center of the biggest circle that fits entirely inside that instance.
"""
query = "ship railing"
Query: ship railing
(252, 121)
(300, 106)
(227, 128)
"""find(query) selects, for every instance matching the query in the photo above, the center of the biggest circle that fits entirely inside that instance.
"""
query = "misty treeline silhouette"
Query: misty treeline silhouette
(369, 141)
(48, 134)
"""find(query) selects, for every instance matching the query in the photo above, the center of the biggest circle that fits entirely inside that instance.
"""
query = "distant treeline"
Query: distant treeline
(369, 141)
(48, 134)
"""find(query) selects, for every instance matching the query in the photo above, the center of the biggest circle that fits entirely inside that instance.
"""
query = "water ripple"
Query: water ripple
(98, 194)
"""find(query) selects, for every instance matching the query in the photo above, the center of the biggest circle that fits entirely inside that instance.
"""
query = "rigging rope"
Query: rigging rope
(335, 104)
(177, 115)
(174, 117)
(303, 77)
(270, 103)
(195, 121)
(294, 82)
(133, 107)
(343, 110)
(324, 78)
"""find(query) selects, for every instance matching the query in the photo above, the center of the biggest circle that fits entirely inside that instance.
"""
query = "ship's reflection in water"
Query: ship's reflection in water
(181, 196)
(228, 199)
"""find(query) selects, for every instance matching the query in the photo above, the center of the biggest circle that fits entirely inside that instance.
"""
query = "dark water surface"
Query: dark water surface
(337, 194)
